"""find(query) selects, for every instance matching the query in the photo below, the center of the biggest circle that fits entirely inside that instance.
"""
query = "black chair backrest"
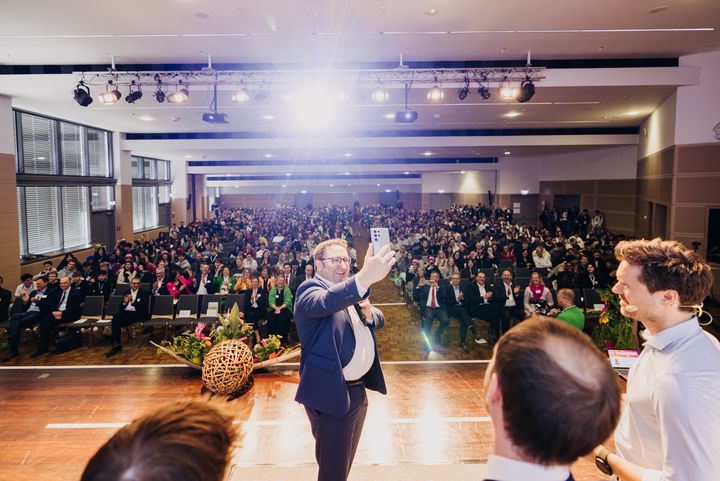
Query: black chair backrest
(122, 289)
(232, 299)
(579, 299)
(505, 264)
(163, 306)
(489, 273)
(188, 303)
(523, 281)
(522, 272)
(207, 299)
(592, 297)
(93, 306)
(146, 286)
(113, 305)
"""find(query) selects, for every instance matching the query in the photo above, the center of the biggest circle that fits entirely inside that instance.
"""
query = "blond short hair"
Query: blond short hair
(320, 249)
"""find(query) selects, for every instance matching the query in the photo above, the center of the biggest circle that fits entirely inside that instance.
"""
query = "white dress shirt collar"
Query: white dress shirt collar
(500, 468)
(664, 338)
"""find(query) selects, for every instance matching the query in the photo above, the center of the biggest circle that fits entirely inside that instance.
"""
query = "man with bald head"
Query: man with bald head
(551, 396)
(68, 309)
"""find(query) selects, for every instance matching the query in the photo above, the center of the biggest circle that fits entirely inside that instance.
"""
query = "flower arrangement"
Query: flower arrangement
(614, 331)
(194, 346)
(269, 348)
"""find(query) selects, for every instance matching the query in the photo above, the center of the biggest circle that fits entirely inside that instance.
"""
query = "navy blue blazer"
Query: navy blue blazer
(328, 344)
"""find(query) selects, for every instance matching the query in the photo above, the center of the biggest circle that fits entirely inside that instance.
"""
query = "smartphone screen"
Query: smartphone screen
(379, 236)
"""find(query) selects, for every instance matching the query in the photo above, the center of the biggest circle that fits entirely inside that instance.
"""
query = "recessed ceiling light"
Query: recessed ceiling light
(347, 173)
(431, 12)
(388, 190)
(146, 118)
(427, 153)
(237, 186)
(390, 116)
(436, 116)
(303, 191)
(284, 185)
(524, 191)
(441, 191)
(288, 174)
(348, 154)
(269, 156)
(462, 172)
(406, 173)
(378, 185)
(507, 152)
(512, 114)
(187, 156)
(332, 185)
(268, 117)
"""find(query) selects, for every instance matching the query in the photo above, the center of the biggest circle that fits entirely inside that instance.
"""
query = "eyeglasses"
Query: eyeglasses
(336, 261)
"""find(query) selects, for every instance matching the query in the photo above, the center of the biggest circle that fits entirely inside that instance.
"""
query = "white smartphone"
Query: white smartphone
(379, 236)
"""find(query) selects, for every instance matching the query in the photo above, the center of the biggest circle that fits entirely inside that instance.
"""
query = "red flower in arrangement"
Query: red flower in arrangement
(199, 330)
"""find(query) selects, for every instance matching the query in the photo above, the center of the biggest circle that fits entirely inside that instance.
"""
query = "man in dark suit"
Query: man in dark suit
(336, 324)
(552, 396)
(133, 308)
(456, 308)
(477, 299)
(306, 275)
(68, 309)
(432, 298)
(508, 301)
(203, 282)
(36, 306)
(256, 309)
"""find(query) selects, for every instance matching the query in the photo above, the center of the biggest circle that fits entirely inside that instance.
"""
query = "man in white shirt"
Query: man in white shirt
(551, 396)
(26, 287)
(670, 425)
(339, 361)
(541, 258)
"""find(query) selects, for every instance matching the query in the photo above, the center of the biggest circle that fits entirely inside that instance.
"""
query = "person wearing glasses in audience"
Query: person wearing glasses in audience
(336, 323)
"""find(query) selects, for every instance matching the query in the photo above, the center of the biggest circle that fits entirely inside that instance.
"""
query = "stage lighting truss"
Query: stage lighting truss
(262, 85)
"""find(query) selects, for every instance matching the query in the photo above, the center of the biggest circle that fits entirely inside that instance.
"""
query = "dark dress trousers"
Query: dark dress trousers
(504, 314)
(429, 314)
(336, 410)
(123, 318)
(73, 308)
(47, 302)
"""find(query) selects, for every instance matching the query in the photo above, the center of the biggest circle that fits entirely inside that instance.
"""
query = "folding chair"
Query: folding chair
(185, 303)
(206, 300)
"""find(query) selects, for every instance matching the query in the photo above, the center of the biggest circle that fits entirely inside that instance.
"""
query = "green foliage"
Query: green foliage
(231, 327)
(188, 346)
(267, 349)
(614, 331)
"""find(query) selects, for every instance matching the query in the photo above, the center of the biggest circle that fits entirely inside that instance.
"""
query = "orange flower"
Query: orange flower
(604, 319)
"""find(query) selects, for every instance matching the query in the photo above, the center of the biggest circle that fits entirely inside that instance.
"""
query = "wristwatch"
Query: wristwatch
(602, 463)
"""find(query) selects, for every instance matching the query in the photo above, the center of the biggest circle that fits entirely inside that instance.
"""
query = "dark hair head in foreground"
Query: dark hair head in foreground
(560, 397)
(181, 442)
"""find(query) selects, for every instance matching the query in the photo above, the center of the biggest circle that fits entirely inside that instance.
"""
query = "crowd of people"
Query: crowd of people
(262, 253)
(508, 269)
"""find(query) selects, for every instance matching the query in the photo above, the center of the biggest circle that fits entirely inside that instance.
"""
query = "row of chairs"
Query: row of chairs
(164, 310)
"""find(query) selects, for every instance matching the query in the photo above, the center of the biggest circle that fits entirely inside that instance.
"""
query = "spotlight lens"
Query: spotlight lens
(242, 95)
(380, 95)
(435, 94)
(507, 92)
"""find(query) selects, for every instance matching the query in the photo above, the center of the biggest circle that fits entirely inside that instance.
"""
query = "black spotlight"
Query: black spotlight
(134, 95)
(81, 94)
(484, 92)
(159, 96)
(464, 91)
(527, 90)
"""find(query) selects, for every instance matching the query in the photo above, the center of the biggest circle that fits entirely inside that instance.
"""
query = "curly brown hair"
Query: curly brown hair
(669, 265)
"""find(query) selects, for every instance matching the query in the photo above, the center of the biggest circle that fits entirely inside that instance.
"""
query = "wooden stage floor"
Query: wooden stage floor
(54, 418)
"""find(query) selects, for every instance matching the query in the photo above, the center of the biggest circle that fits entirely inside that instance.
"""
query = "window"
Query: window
(149, 169)
(145, 208)
(102, 198)
(42, 220)
(164, 194)
(75, 217)
(163, 170)
(72, 148)
(53, 219)
(39, 150)
(99, 153)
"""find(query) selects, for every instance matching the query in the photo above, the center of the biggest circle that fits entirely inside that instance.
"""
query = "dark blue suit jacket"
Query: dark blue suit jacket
(328, 344)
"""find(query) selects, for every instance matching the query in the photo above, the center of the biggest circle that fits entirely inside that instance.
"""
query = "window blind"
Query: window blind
(72, 148)
(102, 198)
(164, 194)
(163, 170)
(138, 209)
(21, 220)
(43, 219)
(98, 153)
(39, 144)
(75, 217)
(151, 207)
(149, 169)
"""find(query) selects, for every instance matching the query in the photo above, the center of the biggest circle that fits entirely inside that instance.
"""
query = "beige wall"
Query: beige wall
(615, 198)
(9, 228)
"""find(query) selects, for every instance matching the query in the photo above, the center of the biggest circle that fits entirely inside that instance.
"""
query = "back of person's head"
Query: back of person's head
(669, 265)
(560, 397)
(181, 442)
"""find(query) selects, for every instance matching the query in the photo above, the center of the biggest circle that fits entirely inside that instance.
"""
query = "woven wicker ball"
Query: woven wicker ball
(227, 367)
